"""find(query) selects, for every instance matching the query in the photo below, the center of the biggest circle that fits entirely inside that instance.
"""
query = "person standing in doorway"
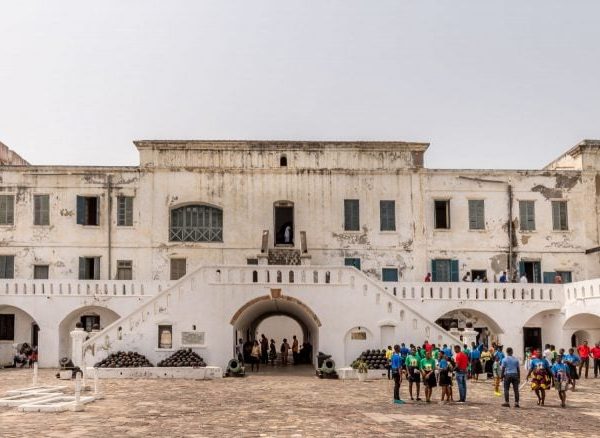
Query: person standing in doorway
(295, 350)
(511, 374)
(523, 279)
(287, 234)
(595, 352)
(285, 349)
(255, 355)
(584, 358)
(264, 349)
(461, 361)
(396, 365)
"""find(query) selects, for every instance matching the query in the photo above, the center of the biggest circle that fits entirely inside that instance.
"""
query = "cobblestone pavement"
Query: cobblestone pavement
(294, 406)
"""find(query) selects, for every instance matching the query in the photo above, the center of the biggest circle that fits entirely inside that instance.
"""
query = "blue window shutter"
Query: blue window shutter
(453, 270)
(521, 268)
(80, 210)
(549, 277)
(434, 270)
(81, 268)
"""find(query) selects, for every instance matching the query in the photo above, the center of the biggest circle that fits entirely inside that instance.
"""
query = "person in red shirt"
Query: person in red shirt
(462, 362)
(584, 356)
(596, 356)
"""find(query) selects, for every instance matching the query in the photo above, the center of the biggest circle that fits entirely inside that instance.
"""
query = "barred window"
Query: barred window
(125, 211)
(387, 215)
(196, 223)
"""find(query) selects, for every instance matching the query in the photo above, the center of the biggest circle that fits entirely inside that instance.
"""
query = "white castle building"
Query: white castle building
(205, 240)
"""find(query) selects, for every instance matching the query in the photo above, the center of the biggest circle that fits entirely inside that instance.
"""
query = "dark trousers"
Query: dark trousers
(585, 363)
(596, 367)
(461, 382)
(511, 379)
(397, 381)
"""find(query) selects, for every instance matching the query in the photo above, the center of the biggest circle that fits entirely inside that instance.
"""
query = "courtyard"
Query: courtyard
(294, 404)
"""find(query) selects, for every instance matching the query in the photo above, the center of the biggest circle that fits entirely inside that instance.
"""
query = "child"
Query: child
(496, 371)
(445, 379)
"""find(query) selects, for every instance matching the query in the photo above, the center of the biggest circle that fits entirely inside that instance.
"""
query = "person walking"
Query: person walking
(497, 373)
(595, 352)
(264, 349)
(571, 360)
(295, 349)
(285, 349)
(396, 365)
(540, 382)
(560, 375)
(272, 352)
(255, 355)
(511, 374)
(584, 358)
(461, 361)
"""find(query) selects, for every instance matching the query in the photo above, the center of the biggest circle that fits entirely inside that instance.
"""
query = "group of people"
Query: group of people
(25, 355)
(263, 350)
(502, 279)
(438, 366)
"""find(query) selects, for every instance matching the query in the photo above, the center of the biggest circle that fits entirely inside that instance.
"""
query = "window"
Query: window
(442, 214)
(283, 161)
(252, 261)
(40, 272)
(41, 210)
(178, 268)
(476, 214)
(559, 216)
(527, 215)
(89, 321)
(352, 261)
(444, 270)
(89, 268)
(387, 215)
(389, 274)
(351, 215)
(7, 209)
(125, 211)
(7, 327)
(165, 336)
(88, 211)
(567, 276)
(196, 223)
(7, 266)
(124, 270)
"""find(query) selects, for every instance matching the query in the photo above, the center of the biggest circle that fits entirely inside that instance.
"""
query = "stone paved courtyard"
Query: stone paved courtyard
(294, 406)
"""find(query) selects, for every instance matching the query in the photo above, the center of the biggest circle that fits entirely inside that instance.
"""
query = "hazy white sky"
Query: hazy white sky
(489, 83)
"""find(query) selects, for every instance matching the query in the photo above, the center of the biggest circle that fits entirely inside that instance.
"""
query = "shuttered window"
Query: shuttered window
(352, 261)
(444, 270)
(559, 216)
(41, 210)
(178, 268)
(125, 211)
(351, 215)
(527, 215)
(41, 272)
(7, 266)
(124, 270)
(389, 274)
(88, 210)
(387, 215)
(7, 209)
(476, 214)
(89, 268)
(196, 223)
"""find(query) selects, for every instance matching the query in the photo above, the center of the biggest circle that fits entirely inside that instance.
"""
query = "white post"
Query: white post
(35, 374)
(78, 406)
(78, 336)
(97, 390)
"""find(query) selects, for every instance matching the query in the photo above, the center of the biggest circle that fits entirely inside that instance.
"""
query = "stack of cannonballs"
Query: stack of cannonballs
(122, 359)
(375, 359)
(183, 358)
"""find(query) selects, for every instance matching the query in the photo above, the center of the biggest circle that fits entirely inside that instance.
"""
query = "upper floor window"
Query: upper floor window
(7, 266)
(387, 215)
(178, 268)
(124, 270)
(527, 215)
(352, 261)
(476, 214)
(351, 215)
(283, 161)
(88, 210)
(389, 274)
(89, 268)
(7, 209)
(196, 223)
(442, 214)
(560, 220)
(125, 211)
(41, 210)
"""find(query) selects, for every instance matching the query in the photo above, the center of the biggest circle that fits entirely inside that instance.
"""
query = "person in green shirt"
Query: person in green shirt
(413, 372)
(427, 367)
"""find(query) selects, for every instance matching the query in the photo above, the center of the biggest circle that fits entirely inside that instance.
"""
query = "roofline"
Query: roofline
(576, 150)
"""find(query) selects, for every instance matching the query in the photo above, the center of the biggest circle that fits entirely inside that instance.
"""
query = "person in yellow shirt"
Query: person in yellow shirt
(388, 355)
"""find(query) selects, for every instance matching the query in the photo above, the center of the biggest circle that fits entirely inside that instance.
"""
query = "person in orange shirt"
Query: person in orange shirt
(584, 356)
(596, 356)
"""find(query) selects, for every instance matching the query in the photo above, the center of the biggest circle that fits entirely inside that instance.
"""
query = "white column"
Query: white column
(469, 336)
(78, 336)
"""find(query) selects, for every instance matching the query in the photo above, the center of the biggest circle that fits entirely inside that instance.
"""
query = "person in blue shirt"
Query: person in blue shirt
(511, 373)
(404, 350)
(475, 357)
(571, 360)
(447, 351)
(560, 375)
(499, 353)
(445, 368)
(396, 365)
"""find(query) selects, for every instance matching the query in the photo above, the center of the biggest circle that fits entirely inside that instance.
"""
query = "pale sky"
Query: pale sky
(491, 84)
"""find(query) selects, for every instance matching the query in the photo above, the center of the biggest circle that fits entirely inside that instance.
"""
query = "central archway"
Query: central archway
(248, 318)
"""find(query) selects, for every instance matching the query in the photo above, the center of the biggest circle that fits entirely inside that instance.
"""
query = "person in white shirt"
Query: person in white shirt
(523, 279)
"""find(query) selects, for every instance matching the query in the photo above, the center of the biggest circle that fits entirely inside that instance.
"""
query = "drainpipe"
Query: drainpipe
(510, 231)
(109, 195)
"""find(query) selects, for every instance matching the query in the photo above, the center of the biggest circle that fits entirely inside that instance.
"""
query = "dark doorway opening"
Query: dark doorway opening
(532, 271)
(284, 224)
(532, 338)
(479, 275)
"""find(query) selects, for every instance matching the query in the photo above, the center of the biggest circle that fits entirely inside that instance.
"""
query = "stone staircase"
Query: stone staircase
(284, 256)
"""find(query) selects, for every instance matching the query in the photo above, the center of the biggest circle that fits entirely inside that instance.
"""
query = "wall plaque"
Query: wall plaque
(192, 338)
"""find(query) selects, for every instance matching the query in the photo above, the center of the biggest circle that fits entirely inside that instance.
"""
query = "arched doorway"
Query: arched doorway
(583, 327)
(16, 327)
(89, 316)
(488, 330)
(250, 317)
